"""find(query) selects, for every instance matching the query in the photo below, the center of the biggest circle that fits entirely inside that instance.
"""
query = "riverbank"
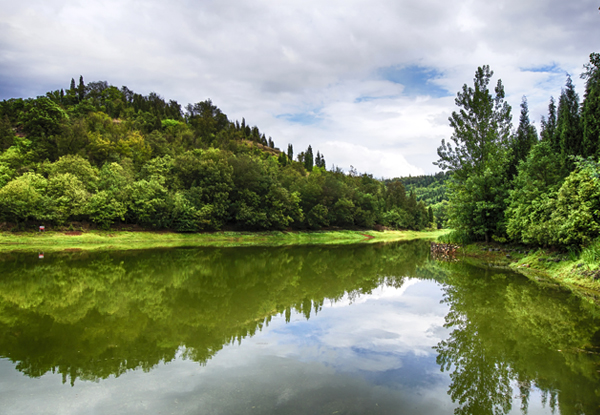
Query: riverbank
(575, 272)
(125, 240)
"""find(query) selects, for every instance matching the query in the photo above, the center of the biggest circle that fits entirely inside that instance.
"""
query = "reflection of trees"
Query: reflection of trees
(93, 315)
(507, 331)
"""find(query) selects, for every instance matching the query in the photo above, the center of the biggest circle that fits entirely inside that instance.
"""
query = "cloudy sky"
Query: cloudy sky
(368, 83)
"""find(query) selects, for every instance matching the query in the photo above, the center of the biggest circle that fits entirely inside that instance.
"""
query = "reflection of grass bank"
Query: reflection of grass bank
(579, 272)
(121, 240)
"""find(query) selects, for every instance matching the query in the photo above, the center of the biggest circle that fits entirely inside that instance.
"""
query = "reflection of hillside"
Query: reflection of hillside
(94, 315)
(508, 330)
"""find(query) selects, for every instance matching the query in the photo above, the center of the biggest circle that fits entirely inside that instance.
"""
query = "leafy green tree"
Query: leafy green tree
(42, 121)
(7, 135)
(478, 158)
(6, 174)
(318, 217)
(206, 120)
(24, 198)
(104, 209)
(149, 203)
(533, 198)
(577, 213)
(77, 166)
(590, 113)
(69, 197)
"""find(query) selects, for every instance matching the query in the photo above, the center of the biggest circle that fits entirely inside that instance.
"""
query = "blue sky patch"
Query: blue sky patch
(552, 68)
(304, 118)
(417, 80)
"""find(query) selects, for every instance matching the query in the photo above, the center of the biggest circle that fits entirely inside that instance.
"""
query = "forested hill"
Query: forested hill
(431, 190)
(97, 154)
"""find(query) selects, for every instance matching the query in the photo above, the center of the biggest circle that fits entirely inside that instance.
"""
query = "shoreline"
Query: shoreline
(53, 241)
(545, 267)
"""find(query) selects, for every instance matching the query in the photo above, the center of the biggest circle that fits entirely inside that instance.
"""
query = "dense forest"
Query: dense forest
(432, 190)
(515, 184)
(96, 154)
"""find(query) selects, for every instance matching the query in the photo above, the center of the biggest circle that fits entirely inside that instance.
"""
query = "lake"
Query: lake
(359, 329)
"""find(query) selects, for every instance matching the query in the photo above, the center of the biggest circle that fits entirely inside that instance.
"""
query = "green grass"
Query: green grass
(124, 240)
(574, 270)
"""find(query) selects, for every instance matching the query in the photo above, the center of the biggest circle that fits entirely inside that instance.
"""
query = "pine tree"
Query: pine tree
(568, 126)
(72, 88)
(548, 132)
(523, 140)
(290, 152)
(309, 159)
(590, 114)
(81, 89)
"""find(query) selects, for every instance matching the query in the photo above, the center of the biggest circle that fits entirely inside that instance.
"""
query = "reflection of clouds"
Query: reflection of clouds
(373, 356)
(376, 331)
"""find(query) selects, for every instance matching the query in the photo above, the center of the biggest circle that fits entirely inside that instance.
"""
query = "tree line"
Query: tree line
(95, 153)
(518, 185)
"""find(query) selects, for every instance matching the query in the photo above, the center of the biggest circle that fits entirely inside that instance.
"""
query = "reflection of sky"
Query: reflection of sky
(373, 355)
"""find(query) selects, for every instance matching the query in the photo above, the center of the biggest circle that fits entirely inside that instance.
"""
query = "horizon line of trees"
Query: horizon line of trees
(96, 153)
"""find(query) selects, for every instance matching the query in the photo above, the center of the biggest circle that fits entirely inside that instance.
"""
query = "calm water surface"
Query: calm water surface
(369, 329)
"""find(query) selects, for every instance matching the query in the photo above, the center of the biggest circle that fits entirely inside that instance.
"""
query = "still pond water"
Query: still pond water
(364, 329)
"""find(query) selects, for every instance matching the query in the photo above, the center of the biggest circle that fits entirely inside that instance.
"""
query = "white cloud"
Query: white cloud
(261, 59)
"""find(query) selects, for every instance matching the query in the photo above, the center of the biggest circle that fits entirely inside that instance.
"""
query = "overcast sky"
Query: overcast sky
(368, 83)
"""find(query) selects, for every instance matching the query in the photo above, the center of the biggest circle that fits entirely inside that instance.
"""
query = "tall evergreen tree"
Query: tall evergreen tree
(72, 87)
(548, 132)
(290, 152)
(81, 89)
(309, 159)
(568, 126)
(522, 141)
(590, 113)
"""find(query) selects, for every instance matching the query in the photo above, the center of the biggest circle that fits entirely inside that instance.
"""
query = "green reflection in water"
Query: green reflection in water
(93, 315)
(506, 330)
(90, 316)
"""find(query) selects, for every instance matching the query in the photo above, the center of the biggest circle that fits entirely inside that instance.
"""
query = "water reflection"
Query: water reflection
(338, 339)
(89, 316)
(508, 332)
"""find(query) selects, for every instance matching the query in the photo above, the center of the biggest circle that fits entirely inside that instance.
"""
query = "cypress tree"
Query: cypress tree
(568, 126)
(548, 132)
(523, 140)
(81, 89)
(590, 114)
(290, 152)
(309, 159)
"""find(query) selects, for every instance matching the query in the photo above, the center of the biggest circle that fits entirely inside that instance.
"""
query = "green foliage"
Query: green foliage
(24, 198)
(110, 155)
(69, 197)
(577, 213)
(590, 113)
(104, 210)
(568, 126)
(478, 158)
(546, 211)
(79, 168)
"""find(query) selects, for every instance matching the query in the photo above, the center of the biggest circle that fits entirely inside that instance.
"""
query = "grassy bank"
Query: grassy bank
(123, 240)
(580, 272)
